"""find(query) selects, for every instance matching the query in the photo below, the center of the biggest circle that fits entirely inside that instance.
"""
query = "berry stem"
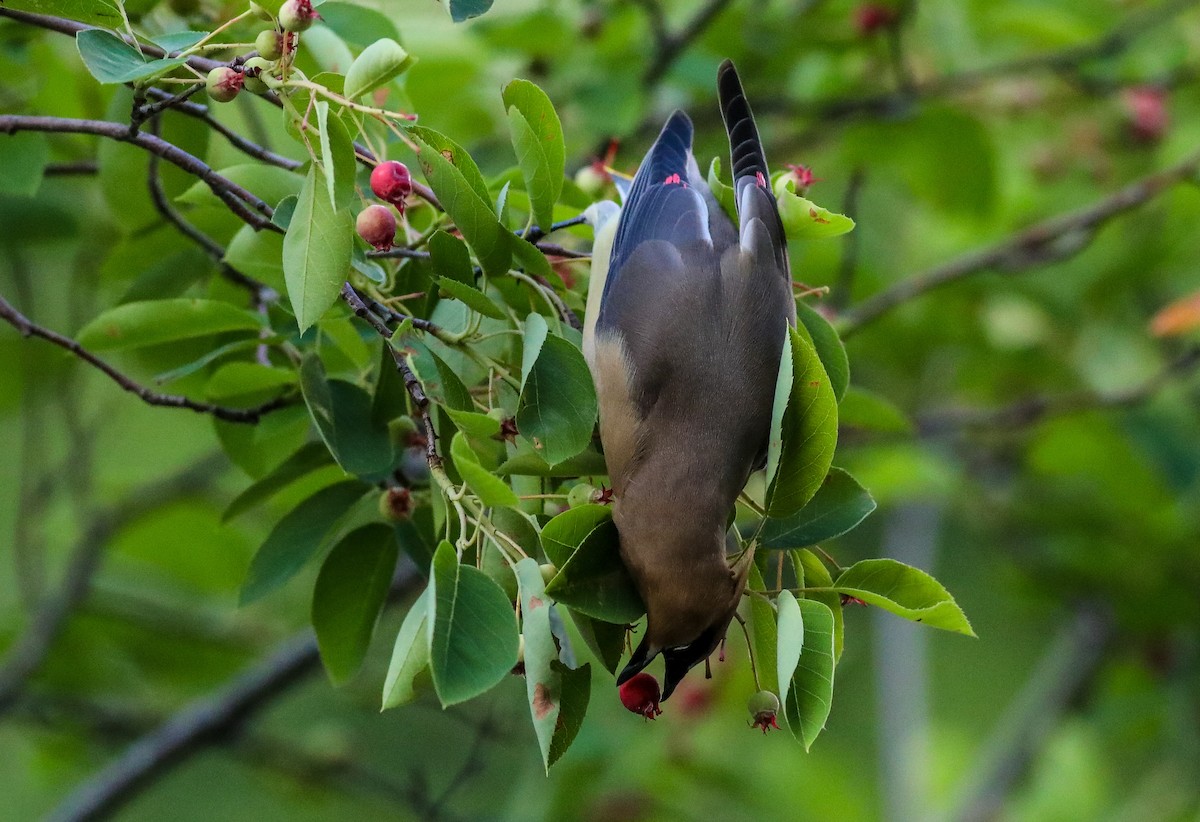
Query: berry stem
(749, 649)
(196, 47)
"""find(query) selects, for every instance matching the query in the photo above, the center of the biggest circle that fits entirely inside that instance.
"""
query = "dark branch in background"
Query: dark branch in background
(260, 293)
(667, 46)
(1067, 668)
(240, 201)
(1030, 410)
(80, 167)
(411, 383)
(26, 655)
(840, 297)
(143, 111)
(537, 232)
(236, 140)
(28, 328)
(1054, 239)
(205, 722)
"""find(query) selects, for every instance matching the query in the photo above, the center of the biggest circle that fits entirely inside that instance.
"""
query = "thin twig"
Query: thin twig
(670, 46)
(240, 201)
(258, 291)
(850, 246)
(28, 328)
(1054, 239)
(236, 140)
(537, 232)
(79, 167)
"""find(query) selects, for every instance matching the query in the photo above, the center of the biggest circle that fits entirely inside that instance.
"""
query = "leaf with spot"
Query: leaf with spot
(838, 506)
(556, 693)
(829, 347)
(472, 631)
(803, 427)
(349, 594)
(557, 408)
(905, 591)
(805, 220)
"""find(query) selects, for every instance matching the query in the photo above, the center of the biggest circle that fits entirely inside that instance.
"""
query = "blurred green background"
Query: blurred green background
(1069, 531)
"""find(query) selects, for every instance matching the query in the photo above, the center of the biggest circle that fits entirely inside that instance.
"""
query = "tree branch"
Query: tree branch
(670, 46)
(239, 200)
(1054, 239)
(1033, 409)
(28, 328)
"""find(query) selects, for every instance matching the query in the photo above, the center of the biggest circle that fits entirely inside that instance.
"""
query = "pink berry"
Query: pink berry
(391, 182)
(871, 17)
(224, 83)
(1146, 110)
(640, 694)
(377, 225)
(297, 15)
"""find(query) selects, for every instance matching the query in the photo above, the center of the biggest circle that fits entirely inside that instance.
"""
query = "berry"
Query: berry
(377, 225)
(871, 17)
(395, 504)
(640, 695)
(391, 182)
(548, 571)
(253, 71)
(223, 84)
(592, 179)
(764, 707)
(1146, 111)
(297, 15)
(269, 44)
(581, 494)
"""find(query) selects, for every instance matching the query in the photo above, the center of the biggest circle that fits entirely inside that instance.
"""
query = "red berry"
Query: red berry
(377, 225)
(391, 182)
(1146, 110)
(871, 17)
(764, 707)
(297, 15)
(640, 694)
(224, 83)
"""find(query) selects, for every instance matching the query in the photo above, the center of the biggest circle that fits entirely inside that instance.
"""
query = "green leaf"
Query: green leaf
(316, 251)
(905, 591)
(805, 220)
(240, 379)
(557, 408)
(563, 534)
(341, 411)
(812, 573)
(462, 191)
(473, 633)
(298, 537)
(537, 138)
(605, 639)
(357, 25)
(22, 163)
(490, 489)
(532, 341)
(803, 428)
(764, 635)
(97, 12)
(790, 632)
(257, 254)
(829, 347)
(379, 63)
(473, 297)
(337, 157)
(410, 655)
(543, 680)
(724, 194)
(462, 10)
(838, 506)
(349, 594)
(869, 411)
(450, 258)
(111, 60)
(595, 582)
(586, 464)
(810, 695)
(448, 389)
(270, 183)
(134, 325)
(309, 458)
(474, 424)
(178, 40)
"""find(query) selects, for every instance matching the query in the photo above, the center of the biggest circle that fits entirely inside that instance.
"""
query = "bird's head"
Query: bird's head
(687, 611)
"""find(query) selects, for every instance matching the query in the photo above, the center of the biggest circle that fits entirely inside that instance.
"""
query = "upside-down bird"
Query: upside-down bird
(686, 322)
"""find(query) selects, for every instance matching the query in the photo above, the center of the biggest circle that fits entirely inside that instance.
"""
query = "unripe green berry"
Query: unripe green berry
(223, 84)
(254, 69)
(591, 180)
(297, 15)
(581, 494)
(548, 572)
(497, 414)
(269, 44)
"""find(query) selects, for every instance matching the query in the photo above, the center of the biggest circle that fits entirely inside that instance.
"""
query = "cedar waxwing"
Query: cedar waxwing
(686, 322)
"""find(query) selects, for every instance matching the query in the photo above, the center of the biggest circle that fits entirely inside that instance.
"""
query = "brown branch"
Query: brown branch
(1054, 239)
(670, 46)
(413, 385)
(848, 266)
(28, 328)
(1033, 409)
(239, 200)
(80, 167)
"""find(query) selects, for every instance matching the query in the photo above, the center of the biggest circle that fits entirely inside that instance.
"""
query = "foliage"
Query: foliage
(448, 368)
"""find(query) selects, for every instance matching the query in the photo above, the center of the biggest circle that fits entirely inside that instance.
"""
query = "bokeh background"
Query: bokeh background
(1046, 467)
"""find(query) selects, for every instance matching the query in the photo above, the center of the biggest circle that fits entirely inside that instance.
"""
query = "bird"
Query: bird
(685, 326)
